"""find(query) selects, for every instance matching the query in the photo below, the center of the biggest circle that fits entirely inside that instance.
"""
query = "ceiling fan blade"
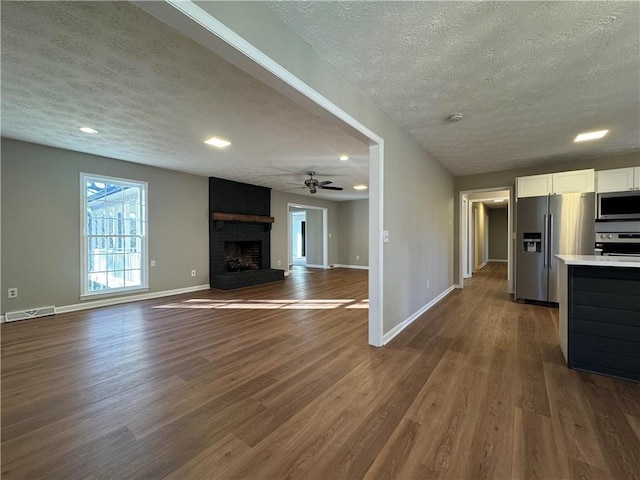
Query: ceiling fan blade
(326, 182)
(330, 188)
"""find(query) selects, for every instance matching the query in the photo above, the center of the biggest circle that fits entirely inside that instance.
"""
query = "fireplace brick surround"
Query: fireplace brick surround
(226, 196)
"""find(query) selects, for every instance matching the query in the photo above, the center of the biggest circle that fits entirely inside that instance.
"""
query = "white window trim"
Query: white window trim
(84, 294)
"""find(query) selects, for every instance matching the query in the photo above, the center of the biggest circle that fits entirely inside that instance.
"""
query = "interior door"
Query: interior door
(531, 267)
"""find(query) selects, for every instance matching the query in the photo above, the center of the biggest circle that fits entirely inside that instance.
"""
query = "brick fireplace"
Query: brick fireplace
(239, 235)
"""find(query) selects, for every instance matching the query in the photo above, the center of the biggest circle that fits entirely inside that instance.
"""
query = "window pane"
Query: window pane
(132, 261)
(96, 262)
(115, 261)
(115, 279)
(133, 225)
(133, 278)
(113, 193)
(133, 244)
(95, 190)
(114, 210)
(97, 281)
(95, 245)
(131, 195)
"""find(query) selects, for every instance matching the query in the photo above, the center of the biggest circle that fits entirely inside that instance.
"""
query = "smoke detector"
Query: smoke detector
(455, 117)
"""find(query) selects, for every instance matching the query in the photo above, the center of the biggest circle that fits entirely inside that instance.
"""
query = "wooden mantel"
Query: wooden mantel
(238, 217)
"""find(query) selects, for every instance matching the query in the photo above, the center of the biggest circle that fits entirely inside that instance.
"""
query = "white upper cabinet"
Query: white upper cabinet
(618, 180)
(577, 181)
(534, 185)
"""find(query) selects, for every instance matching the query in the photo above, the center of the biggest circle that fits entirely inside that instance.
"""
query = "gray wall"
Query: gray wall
(41, 223)
(314, 237)
(418, 192)
(506, 178)
(354, 232)
(498, 233)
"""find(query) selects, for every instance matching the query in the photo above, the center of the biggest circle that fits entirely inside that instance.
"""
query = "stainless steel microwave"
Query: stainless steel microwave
(619, 206)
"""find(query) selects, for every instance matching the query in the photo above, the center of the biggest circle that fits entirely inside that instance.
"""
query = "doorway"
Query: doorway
(308, 236)
(475, 206)
(298, 238)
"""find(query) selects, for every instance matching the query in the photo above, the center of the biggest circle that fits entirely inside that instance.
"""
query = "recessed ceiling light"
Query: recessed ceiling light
(218, 142)
(360, 187)
(498, 200)
(344, 158)
(88, 130)
(583, 137)
(455, 117)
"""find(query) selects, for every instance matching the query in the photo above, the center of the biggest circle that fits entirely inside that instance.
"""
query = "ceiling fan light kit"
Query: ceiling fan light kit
(314, 184)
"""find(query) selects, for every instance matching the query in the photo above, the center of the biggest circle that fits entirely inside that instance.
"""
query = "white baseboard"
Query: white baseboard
(497, 260)
(387, 337)
(286, 273)
(358, 267)
(457, 285)
(311, 265)
(481, 266)
(131, 298)
(1, 318)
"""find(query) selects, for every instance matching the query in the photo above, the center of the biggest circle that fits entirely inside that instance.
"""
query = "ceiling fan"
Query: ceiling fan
(313, 184)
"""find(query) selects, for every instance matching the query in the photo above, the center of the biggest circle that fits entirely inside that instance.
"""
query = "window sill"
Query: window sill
(113, 293)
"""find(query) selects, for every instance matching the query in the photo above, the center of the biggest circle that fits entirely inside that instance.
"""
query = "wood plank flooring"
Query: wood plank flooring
(278, 382)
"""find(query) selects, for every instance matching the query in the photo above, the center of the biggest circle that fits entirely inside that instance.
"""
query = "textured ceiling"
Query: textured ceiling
(527, 76)
(155, 96)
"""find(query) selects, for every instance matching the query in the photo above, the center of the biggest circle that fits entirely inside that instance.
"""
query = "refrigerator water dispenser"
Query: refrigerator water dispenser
(532, 242)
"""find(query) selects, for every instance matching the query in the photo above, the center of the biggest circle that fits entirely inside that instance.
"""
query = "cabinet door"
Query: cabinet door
(577, 181)
(534, 186)
(617, 180)
(636, 178)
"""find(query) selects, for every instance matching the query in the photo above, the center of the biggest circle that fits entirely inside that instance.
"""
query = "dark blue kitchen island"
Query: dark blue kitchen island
(599, 320)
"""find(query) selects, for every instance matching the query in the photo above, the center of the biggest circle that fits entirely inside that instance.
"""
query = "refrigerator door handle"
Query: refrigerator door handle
(545, 240)
(550, 246)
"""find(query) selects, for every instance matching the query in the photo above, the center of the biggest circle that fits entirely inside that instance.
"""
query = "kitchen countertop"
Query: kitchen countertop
(600, 261)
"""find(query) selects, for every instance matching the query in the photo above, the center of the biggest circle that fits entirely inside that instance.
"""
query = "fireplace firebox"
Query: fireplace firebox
(242, 256)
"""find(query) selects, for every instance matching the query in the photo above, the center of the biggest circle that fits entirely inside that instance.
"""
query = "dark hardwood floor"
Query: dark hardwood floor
(277, 381)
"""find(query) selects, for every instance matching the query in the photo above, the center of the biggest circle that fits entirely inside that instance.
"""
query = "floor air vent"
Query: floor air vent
(33, 313)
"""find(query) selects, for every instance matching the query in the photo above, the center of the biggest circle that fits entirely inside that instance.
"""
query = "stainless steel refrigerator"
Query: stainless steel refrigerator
(549, 225)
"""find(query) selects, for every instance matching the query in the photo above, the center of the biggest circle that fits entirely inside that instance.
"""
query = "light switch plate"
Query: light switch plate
(385, 236)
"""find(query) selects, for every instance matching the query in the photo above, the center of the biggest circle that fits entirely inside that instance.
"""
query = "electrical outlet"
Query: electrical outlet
(279, 263)
(357, 257)
(329, 234)
(13, 293)
(153, 263)
(428, 284)
(193, 273)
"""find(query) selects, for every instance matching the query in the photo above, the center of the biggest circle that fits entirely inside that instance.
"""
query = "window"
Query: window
(114, 239)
